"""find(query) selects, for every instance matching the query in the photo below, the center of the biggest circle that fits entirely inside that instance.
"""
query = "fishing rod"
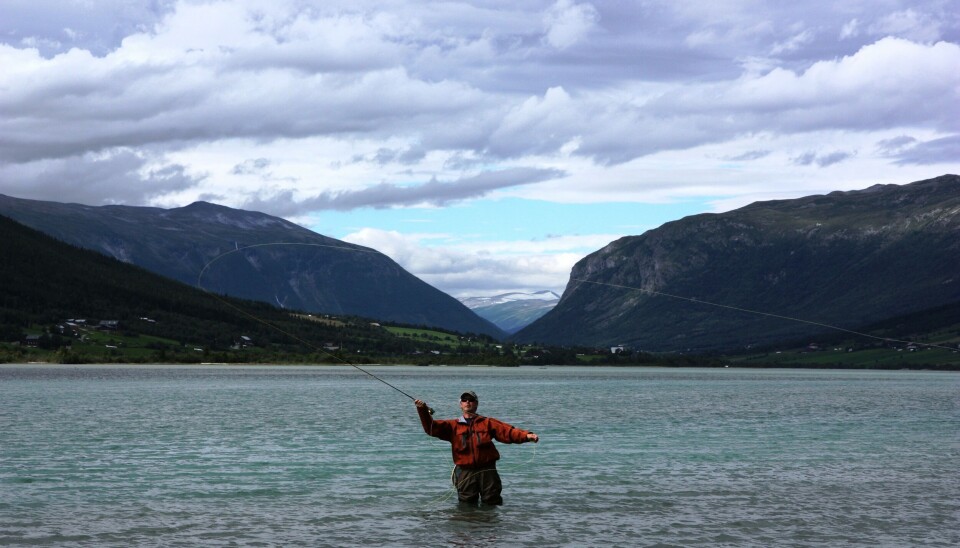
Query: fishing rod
(760, 313)
(283, 331)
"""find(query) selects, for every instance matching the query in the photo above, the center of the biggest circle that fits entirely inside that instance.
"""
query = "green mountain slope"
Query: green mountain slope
(45, 282)
(846, 259)
(307, 272)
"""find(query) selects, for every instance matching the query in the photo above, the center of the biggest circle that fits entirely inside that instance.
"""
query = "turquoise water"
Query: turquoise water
(260, 456)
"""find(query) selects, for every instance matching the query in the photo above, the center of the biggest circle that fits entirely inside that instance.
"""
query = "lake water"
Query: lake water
(288, 456)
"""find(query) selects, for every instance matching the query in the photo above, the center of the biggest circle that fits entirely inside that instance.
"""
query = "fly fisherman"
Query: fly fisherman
(471, 440)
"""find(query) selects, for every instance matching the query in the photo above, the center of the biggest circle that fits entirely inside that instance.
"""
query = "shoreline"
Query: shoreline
(784, 367)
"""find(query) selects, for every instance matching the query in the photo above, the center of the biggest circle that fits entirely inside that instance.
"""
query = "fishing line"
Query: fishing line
(281, 330)
(305, 244)
(757, 312)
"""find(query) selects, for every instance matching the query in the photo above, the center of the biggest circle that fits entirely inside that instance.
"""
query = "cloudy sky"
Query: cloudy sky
(487, 145)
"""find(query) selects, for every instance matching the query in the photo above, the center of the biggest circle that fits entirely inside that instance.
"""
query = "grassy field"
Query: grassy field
(884, 348)
(325, 320)
(427, 335)
(90, 345)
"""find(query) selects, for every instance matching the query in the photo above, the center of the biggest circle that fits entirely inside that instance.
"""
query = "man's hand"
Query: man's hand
(533, 437)
(423, 405)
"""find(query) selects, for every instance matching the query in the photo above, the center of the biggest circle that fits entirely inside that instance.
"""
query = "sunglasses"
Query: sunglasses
(471, 400)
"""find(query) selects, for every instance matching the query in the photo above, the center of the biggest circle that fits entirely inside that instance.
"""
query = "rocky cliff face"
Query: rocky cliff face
(252, 255)
(845, 259)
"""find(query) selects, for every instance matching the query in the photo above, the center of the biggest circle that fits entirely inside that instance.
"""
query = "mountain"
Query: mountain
(46, 281)
(845, 259)
(93, 308)
(253, 256)
(512, 311)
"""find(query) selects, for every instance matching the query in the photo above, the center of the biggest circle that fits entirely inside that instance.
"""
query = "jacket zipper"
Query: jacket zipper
(475, 442)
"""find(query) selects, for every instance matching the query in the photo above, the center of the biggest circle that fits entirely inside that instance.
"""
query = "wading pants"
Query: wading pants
(482, 482)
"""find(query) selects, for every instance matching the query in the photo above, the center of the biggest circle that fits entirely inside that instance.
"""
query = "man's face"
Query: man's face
(468, 405)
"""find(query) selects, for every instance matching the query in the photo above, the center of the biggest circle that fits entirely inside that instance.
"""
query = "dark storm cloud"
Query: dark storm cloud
(749, 156)
(937, 151)
(120, 178)
(895, 145)
(384, 156)
(833, 158)
(804, 159)
(822, 160)
(255, 166)
(384, 195)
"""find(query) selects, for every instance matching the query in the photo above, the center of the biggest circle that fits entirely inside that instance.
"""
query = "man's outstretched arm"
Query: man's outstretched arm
(437, 429)
(508, 434)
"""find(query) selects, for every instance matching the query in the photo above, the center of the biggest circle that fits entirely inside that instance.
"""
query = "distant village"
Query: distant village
(74, 328)
(79, 329)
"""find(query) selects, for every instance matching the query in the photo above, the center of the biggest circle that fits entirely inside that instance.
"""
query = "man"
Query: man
(471, 440)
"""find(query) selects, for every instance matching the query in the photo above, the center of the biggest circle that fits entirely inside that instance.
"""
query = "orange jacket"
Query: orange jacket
(472, 442)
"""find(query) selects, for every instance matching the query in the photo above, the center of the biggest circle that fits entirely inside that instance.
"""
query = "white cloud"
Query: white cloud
(463, 269)
(793, 43)
(908, 24)
(850, 29)
(567, 23)
(891, 82)
(346, 75)
(539, 125)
